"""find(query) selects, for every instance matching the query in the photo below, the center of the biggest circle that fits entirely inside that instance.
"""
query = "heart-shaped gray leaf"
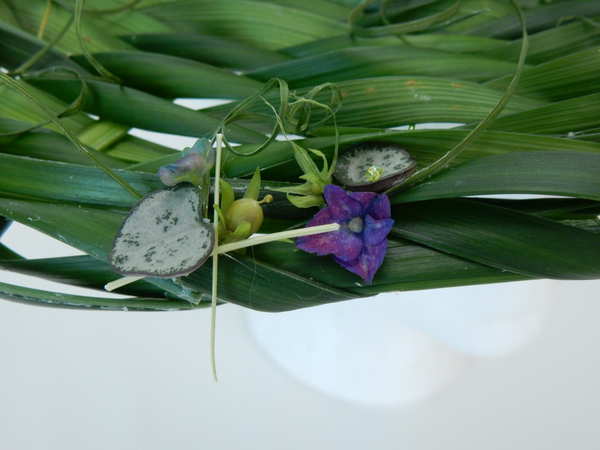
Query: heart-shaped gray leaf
(164, 235)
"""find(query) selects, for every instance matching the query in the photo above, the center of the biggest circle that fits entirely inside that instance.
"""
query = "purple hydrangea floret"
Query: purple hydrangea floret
(360, 243)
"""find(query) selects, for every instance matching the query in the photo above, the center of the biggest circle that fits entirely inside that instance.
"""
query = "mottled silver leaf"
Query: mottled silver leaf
(393, 164)
(163, 235)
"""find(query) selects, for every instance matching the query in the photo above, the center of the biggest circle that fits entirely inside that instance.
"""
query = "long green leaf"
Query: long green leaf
(30, 15)
(571, 76)
(82, 271)
(213, 50)
(51, 146)
(550, 44)
(55, 299)
(394, 101)
(407, 266)
(501, 238)
(60, 182)
(426, 146)
(445, 42)
(403, 27)
(172, 77)
(572, 174)
(537, 20)
(15, 106)
(561, 118)
(368, 62)
(137, 109)
(17, 47)
(246, 21)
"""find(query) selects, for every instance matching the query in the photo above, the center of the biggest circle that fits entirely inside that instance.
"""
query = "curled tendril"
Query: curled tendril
(292, 117)
(298, 115)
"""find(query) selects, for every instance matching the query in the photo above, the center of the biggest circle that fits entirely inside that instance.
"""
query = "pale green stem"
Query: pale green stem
(120, 283)
(276, 237)
(219, 249)
(215, 268)
(40, 34)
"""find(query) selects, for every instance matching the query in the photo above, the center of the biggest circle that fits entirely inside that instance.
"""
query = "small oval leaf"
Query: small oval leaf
(373, 167)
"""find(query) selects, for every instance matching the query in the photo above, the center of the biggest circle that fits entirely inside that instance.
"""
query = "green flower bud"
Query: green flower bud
(245, 210)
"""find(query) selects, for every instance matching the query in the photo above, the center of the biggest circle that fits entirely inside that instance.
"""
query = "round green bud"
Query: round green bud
(244, 210)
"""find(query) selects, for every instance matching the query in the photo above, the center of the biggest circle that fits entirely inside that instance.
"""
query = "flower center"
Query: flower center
(356, 225)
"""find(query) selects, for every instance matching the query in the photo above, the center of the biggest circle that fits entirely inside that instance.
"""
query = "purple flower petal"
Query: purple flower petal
(364, 198)
(340, 204)
(379, 208)
(367, 262)
(376, 230)
(343, 243)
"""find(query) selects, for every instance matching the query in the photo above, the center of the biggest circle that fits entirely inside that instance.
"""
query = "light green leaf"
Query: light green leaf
(227, 195)
(254, 186)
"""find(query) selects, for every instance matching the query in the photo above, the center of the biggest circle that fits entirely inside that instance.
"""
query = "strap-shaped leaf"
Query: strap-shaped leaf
(249, 282)
(60, 182)
(571, 76)
(173, 77)
(550, 44)
(137, 109)
(16, 47)
(213, 50)
(368, 62)
(83, 271)
(571, 174)
(403, 100)
(246, 21)
(58, 300)
(426, 146)
(566, 117)
(501, 238)
(508, 27)
(407, 266)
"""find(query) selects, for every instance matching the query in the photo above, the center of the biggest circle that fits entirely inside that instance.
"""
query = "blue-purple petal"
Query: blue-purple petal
(376, 230)
(367, 263)
(340, 204)
(379, 208)
(364, 198)
(343, 243)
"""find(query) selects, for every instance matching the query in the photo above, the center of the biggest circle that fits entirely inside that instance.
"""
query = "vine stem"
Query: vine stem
(215, 267)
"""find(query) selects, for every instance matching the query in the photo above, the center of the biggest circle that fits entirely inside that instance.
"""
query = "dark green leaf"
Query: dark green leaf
(368, 62)
(213, 50)
(246, 21)
(573, 174)
(501, 238)
(55, 299)
(137, 109)
(83, 271)
(538, 19)
(172, 77)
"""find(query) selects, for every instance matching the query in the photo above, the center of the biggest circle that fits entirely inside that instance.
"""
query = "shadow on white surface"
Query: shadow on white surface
(399, 348)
